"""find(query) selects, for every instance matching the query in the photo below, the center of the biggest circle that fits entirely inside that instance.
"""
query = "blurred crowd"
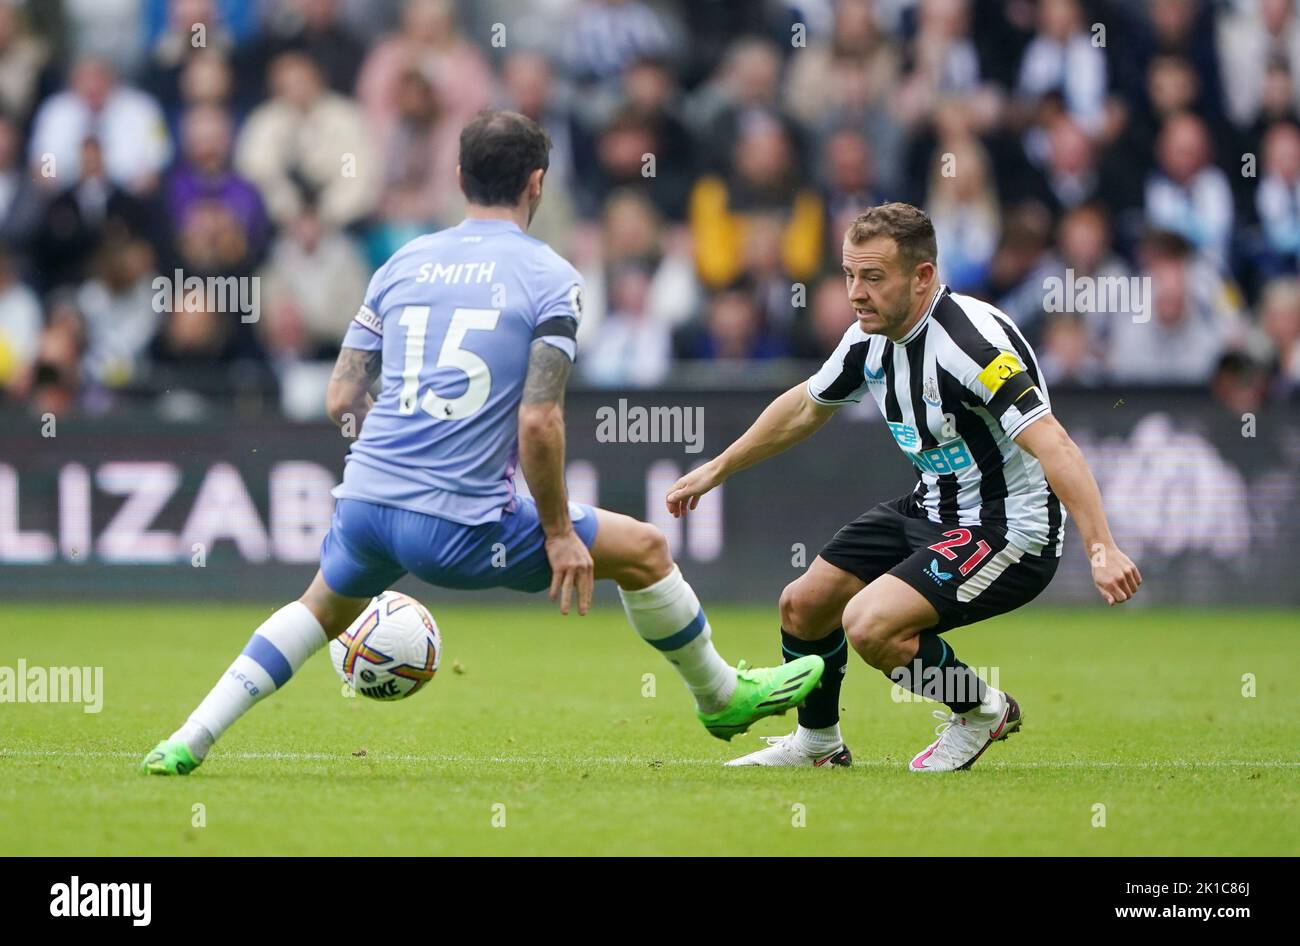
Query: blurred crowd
(707, 158)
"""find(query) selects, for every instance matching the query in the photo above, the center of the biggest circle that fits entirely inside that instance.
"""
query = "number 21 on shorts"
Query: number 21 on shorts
(955, 538)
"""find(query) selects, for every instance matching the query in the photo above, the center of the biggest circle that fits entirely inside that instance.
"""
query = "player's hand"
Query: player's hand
(1114, 574)
(686, 492)
(571, 570)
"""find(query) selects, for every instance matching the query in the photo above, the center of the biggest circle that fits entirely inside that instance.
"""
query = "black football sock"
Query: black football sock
(822, 708)
(937, 674)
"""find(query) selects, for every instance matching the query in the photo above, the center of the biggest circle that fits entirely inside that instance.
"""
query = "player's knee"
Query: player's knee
(654, 550)
(647, 557)
(333, 612)
(802, 611)
(870, 630)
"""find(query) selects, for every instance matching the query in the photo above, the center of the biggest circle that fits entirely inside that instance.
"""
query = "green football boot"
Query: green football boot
(764, 691)
(169, 757)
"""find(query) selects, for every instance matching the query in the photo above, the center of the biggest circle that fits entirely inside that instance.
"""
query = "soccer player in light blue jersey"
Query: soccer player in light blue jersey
(471, 333)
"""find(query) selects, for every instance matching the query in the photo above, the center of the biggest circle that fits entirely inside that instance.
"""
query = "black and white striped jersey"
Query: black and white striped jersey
(955, 392)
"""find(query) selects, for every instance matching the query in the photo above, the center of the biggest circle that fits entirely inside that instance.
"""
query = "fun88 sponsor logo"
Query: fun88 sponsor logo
(950, 457)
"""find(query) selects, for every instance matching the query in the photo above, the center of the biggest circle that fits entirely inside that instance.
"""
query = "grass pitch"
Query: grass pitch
(553, 741)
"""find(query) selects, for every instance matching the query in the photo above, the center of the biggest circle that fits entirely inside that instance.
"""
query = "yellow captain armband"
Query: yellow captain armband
(1000, 370)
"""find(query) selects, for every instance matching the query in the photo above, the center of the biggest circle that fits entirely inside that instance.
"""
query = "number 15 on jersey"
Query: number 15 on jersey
(415, 319)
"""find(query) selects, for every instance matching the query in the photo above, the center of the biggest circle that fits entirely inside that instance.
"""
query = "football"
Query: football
(391, 650)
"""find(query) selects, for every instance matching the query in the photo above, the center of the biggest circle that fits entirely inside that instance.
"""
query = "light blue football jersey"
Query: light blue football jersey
(455, 313)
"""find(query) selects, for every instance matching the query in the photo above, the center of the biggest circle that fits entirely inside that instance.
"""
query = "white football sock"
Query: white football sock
(668, 616)
(818, 741)
(273, 654)
(994, 702)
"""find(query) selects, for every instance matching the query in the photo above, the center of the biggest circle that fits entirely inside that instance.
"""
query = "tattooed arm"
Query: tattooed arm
(541, 456)
(348, 398)
(541, 434)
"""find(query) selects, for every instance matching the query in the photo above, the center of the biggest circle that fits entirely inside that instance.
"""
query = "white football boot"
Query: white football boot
(964, 737)
(786, 751)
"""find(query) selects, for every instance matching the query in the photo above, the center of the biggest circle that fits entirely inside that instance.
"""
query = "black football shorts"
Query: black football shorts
(969, 573)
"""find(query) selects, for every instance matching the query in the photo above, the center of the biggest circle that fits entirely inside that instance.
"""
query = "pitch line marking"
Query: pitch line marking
(647, 761)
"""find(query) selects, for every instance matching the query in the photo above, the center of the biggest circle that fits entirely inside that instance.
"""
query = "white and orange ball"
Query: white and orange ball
(391, 650)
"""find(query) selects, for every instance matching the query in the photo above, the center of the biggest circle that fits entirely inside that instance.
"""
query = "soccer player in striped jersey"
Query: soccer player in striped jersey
(981, 533)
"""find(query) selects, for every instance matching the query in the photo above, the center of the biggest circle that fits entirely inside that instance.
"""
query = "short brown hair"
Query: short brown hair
(498, 151)
(906, 225)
